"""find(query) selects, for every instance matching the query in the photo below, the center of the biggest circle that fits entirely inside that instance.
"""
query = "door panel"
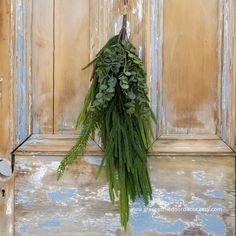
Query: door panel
(79, 205)
(70, 56)
(190, 66)
(74, 32)
(191, 92)
(42, 66)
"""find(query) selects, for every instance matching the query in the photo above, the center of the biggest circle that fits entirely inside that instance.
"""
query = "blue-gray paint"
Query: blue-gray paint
(216, 193)
(228, 54)
(142, 220)
(93, 160)
(196, 203)
(171, 197)
(24, 200)
(199, 175)
(155, 57)
(21, 71)
(218, 207)
(62, 194)
(53, 222)
(212, 224)
(23, 228)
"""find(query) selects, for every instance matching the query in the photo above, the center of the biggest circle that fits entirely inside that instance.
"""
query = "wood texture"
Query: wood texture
(7, 206)
(79, 203)
(153, 59)
(185, 96)
(22, 70)
(71, 55)
(234, 86)
(228, 128)
(190, 145)
(4, 77)
(42, 66)
(190, 66)
(56, 144)
(165, 145)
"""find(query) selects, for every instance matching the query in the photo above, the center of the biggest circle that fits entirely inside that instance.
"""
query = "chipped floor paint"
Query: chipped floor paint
(79, 203)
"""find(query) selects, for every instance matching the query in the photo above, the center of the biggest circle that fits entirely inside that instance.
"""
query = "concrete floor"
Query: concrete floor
(192, 195)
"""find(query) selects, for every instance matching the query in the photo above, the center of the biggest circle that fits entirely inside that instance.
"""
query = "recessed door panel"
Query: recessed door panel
(190, 66)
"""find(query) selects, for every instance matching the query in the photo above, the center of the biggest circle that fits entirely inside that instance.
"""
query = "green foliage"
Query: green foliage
(117, 105)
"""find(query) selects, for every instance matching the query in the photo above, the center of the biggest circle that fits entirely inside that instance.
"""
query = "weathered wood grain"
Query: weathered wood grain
(190, 145)
(165, 145)
(228, 130)
(79, 204)
(190, 66)
(71, 55)
(21, 51)
(4, 77)
(7, 206)
(54, 145)
(234, 86)
(42, 66)
(198, 75)
(153, 58)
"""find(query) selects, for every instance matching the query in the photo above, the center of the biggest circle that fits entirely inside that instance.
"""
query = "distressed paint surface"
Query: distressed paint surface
(154, 50)
(79, 204)
(7, 206)
(196, 108)
(56, 144)
(22, 78)
(146, 20)
(228, 127)
(14, 74)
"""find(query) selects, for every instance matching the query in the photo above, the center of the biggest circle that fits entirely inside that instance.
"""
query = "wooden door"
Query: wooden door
(188, 49)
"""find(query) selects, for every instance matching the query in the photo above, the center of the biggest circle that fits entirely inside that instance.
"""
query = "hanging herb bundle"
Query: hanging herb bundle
(117, 106)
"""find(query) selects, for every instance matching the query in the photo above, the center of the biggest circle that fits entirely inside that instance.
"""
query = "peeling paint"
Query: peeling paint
(21, 71)
(217, 193)
(83, 206)
(212, 224)
(62, 194)
(23, 228)
(199, 175)
(51, 223)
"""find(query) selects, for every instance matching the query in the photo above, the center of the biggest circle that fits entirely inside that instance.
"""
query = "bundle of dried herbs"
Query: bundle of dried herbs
(117, 106)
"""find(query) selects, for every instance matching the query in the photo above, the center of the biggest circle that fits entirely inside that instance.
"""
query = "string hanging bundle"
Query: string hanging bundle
(117, 105)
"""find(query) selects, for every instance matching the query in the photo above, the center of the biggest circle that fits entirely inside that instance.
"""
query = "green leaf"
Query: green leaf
(127, 73)
(124, 86)
(99, 95)
(103, 87)
(110, 90)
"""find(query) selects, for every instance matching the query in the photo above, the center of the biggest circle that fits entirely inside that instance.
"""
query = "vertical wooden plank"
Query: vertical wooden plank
(42, 66)
(153, 49)
(234, 85)
(228, 76)
(220, 29)
(4, 78)
(190, 67)
(71, 55)
(29, 63)
(22, 77)
(7, 206)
